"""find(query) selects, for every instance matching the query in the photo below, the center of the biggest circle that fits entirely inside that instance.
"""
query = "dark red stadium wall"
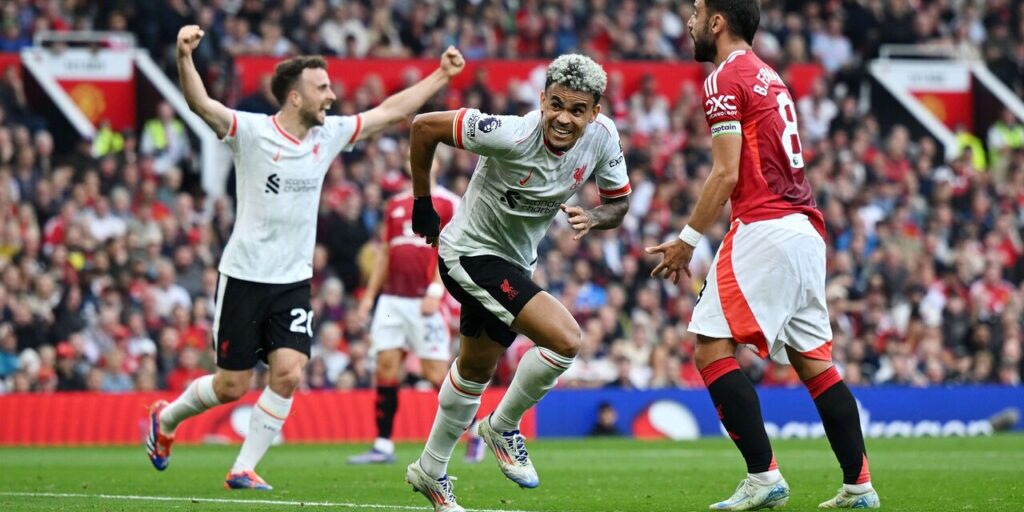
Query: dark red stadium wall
(669, 76)
(102, 418)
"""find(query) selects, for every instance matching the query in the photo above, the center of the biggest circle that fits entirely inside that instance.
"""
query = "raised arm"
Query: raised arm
(213, 112)
(427, 131)
(401, 105)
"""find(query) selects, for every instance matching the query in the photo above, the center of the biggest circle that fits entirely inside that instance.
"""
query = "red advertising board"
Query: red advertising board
(103, 418)
(670, 77)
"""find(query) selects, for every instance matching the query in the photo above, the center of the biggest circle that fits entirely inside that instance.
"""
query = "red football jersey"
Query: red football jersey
(412, 263)
(747, 97)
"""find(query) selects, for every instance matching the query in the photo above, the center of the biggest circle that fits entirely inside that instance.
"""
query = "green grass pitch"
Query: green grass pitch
(976, 474)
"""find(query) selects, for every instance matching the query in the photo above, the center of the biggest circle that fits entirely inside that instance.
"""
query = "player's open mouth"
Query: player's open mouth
(561, 131)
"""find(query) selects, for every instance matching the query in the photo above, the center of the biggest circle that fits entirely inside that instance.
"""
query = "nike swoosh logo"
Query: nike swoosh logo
(278, 155)
(523, 181)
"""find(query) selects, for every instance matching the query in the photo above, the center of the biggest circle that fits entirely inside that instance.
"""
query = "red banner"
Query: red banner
(102, 418)
(670, 77)
(99, 101)
(952, 108)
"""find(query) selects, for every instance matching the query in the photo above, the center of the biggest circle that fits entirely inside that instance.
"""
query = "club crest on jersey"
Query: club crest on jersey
(488, 124)
(720, 105)
(508, 290)
(577, 176)
(273, 184)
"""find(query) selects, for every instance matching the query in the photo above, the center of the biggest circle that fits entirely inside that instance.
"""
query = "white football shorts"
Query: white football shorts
(398, 323)
(766, 287)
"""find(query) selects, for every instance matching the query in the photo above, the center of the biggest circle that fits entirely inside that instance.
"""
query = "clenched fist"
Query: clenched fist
(188, 39)
(452, 62)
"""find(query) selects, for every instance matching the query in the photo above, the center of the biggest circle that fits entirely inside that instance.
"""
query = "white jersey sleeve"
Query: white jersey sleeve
(243, 130)
(489, 135)
(612, 178)
(341, 132)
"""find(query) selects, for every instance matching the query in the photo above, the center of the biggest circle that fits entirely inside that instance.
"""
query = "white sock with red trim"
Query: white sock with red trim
(267, 418)
(537, 373)
(458, 402)
(197, 397)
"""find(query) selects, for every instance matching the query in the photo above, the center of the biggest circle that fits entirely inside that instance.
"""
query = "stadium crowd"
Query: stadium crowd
(108, 253)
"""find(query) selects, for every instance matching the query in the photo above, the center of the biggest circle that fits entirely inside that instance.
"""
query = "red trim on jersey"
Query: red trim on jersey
(738, 315)
(555, 151)
(234, 125)
(718, 368)
(599, 123)
(822, 353)
(865, 475)
(458, 128)
(280, 130)
(359, 127)
(619, 192)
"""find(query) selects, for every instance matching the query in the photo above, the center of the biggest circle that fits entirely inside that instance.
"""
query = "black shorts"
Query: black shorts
(251, 320)
(492, 292)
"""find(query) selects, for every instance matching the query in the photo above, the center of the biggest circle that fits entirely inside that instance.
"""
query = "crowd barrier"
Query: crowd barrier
(101, 418)
(788, 412)
(334, 416)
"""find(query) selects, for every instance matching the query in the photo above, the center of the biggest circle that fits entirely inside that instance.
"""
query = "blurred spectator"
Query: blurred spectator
(262, 101)
(188, 370)
(1005, 137)
(166, 292)
(164, 138)
(606, 418)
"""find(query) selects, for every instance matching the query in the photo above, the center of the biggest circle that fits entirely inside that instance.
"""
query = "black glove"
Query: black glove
(425, 221)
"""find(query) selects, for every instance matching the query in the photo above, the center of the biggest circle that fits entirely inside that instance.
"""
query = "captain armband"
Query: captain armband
(725, 128)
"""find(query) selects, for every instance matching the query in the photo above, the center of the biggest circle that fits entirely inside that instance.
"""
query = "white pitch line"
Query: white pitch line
(225, 500)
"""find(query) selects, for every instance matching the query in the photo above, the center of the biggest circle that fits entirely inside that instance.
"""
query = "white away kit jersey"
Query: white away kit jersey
(520, 181)
(278, 182)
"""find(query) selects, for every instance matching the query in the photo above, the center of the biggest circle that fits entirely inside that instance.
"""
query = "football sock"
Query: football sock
(265, 423)
(458, 402)
(740, 411)
(839, 416)
(386, 406)
(197, 397)
(537, 373)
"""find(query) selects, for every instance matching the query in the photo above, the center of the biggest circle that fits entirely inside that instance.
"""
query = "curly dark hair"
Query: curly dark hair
(287, 73)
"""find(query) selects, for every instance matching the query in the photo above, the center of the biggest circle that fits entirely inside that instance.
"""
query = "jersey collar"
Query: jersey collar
(283, 133)
(552, 149)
